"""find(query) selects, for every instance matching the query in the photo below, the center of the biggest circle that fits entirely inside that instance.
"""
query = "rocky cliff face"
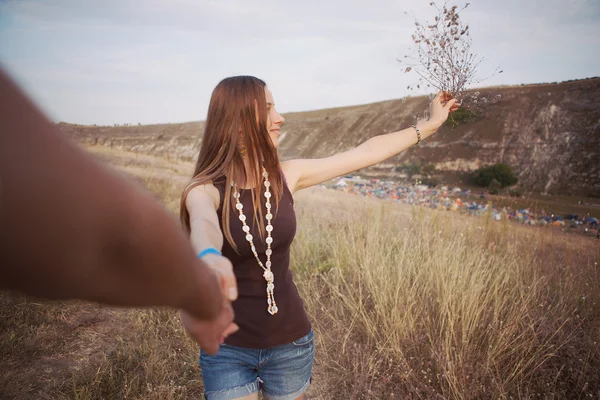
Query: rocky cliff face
(549, 134)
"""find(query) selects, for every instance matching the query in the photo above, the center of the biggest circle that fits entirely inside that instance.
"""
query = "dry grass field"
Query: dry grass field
(406, 303)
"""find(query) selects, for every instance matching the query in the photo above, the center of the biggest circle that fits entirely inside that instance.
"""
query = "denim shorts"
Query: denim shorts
(282, 372)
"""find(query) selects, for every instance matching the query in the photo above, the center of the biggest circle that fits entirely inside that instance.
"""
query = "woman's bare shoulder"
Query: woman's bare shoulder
(200, 195)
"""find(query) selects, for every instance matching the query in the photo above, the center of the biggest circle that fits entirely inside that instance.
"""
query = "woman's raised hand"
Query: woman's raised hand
(441, 106)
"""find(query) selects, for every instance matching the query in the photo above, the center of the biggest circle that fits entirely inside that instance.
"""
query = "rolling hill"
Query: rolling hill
(548, 133)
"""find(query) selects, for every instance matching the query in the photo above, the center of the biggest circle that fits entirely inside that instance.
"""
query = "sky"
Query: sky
(157, 61)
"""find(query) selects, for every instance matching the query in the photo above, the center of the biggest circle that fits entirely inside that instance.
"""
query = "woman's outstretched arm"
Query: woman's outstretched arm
(303, 173)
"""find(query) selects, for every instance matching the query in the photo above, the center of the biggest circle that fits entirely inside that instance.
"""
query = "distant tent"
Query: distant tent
(341, 182)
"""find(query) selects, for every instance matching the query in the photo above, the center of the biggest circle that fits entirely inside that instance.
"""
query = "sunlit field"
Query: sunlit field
(405, 302)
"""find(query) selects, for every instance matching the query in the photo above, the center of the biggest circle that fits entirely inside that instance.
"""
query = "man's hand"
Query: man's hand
(210, 334)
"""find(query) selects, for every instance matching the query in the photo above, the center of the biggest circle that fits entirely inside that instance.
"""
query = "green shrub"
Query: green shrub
(494, 186)
(429, 181)
(462, 115)
(417, 168)
(515, 192)
(410, 169)
(429, 169)
(500, 172)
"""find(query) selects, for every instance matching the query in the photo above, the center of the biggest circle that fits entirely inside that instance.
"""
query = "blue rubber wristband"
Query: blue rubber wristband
(210, 250)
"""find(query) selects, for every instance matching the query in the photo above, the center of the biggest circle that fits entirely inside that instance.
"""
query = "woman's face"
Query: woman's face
(274, 119)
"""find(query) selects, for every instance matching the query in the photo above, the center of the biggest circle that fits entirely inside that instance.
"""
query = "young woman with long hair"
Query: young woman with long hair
(238, 210)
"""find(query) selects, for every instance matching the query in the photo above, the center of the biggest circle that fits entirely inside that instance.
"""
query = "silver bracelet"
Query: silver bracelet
(418, 134)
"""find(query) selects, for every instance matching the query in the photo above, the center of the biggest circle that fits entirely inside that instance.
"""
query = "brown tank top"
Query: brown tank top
(258, 328)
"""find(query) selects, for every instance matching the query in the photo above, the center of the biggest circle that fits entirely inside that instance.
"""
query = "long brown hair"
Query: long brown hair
(237, 116)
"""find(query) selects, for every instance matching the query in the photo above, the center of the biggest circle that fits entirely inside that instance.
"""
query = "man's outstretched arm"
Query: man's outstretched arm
(71, 228)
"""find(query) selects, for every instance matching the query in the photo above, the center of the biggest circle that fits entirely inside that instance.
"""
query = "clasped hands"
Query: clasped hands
(210, 334)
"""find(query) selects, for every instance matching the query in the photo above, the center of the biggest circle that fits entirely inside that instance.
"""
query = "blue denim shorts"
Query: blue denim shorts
(282, 372)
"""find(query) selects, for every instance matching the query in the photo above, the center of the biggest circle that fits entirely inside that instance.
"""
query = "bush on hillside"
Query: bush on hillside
(500, 172)
(518, 192)
(410, 168)
(462, 115)
(430, 181)
(494, 186)
(417, 168)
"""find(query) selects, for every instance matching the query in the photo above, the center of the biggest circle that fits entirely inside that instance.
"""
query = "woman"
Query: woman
(242, 193)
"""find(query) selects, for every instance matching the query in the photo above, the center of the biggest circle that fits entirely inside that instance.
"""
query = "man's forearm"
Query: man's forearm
(154, 256)
(71, 228)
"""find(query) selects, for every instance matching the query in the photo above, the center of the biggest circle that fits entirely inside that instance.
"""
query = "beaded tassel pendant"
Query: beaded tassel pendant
(267, 274)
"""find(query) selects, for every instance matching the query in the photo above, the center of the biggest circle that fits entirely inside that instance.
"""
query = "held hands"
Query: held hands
(211, 334)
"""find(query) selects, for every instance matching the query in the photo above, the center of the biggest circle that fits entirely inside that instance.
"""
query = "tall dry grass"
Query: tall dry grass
(426, 304)
(405, 302)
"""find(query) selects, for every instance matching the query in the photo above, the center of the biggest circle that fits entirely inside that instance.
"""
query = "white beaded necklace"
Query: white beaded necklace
(268, 274)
